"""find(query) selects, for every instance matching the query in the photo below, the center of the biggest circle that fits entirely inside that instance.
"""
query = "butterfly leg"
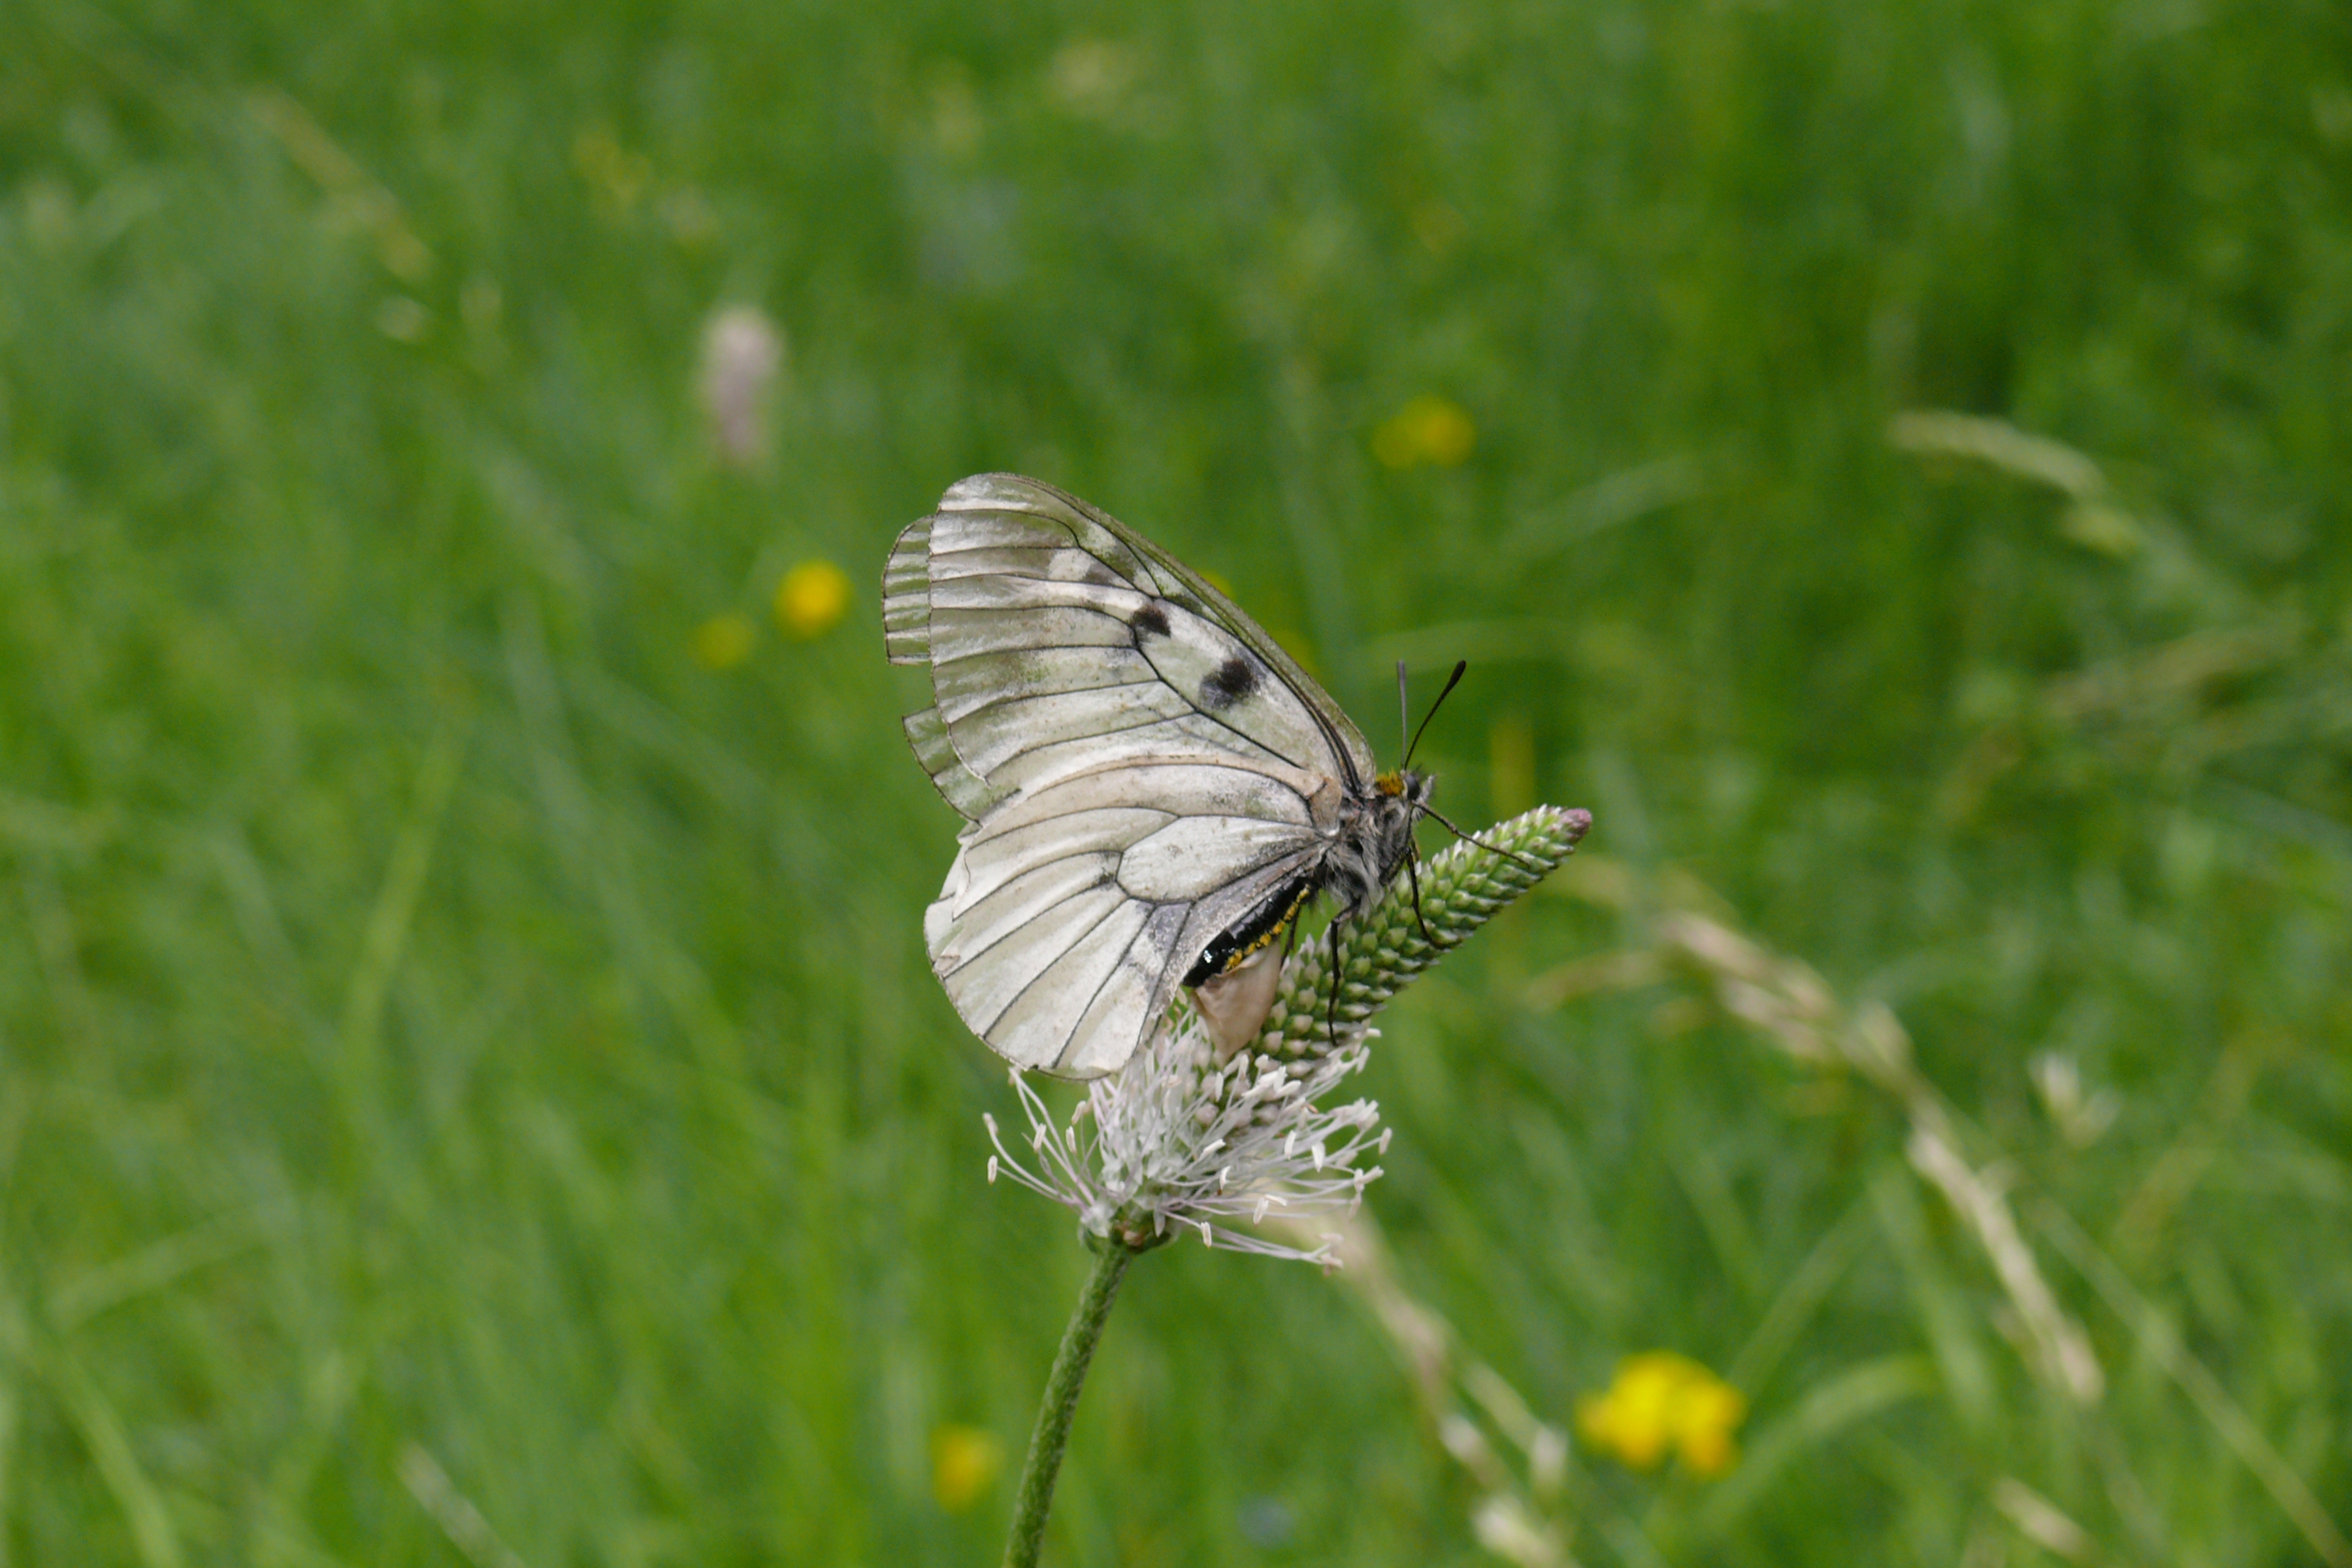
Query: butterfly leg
(1412, 874)
(1331, 1012)
(1448, 824)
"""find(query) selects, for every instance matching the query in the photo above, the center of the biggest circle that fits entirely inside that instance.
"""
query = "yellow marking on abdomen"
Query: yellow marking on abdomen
(1275, 930)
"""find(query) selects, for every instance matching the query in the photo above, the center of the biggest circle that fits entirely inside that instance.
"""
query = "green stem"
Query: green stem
(1053, 1433)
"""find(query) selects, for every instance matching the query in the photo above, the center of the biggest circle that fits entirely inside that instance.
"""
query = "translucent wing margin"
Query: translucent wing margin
(964, 790)
(906, 631)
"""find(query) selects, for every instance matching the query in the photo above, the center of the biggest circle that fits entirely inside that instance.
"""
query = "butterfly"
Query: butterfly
(1152, 789)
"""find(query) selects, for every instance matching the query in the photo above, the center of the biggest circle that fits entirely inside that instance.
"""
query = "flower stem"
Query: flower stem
(1061, 1403)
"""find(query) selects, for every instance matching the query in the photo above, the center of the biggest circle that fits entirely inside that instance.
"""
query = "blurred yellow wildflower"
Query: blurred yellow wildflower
(722, 642)
(1661, 1401)
(964, 1460)
(1426, 430)
(812, 597)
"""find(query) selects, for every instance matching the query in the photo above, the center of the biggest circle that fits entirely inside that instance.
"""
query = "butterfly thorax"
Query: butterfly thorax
(1374, 839)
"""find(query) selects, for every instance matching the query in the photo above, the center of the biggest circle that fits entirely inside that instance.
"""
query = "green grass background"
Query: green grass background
(437, 1014)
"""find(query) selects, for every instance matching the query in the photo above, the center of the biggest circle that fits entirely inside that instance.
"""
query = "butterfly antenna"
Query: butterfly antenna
(1438, 817)
(1404, 713)
(1450, 682)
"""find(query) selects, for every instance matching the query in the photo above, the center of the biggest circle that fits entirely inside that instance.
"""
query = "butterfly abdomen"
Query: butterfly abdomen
(1254, 931)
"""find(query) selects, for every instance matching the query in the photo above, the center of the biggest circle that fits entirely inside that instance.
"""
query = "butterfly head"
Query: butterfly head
(1413, 789)
(1398, 801)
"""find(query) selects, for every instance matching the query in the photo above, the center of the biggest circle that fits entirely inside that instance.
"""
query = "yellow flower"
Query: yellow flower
(1661, 1401)
(1426, 430)
(964, 1460)
(722, 642)
(812, 597)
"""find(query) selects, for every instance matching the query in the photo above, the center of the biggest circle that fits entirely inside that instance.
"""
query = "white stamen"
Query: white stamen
(1177, 1139)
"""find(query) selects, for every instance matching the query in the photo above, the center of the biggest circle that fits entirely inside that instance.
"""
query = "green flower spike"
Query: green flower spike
(1462, 888)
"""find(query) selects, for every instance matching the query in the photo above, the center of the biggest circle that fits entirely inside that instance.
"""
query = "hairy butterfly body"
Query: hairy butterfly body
(1152, 789)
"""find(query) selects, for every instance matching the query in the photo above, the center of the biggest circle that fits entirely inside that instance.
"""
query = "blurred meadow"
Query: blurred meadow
(471, 1091)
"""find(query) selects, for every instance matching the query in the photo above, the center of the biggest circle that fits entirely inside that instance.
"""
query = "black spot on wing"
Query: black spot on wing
(1227, 684)
(1152, 618)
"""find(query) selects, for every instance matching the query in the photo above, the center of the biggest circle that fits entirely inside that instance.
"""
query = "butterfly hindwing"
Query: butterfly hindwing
(964, 790)
(1073, 910)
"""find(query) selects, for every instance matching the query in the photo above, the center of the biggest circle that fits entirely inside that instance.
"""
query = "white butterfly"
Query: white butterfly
(1153, 788)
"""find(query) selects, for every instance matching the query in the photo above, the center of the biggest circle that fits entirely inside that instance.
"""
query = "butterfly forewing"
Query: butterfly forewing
(965, 686)
(1181, 583)
(1023, 581)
